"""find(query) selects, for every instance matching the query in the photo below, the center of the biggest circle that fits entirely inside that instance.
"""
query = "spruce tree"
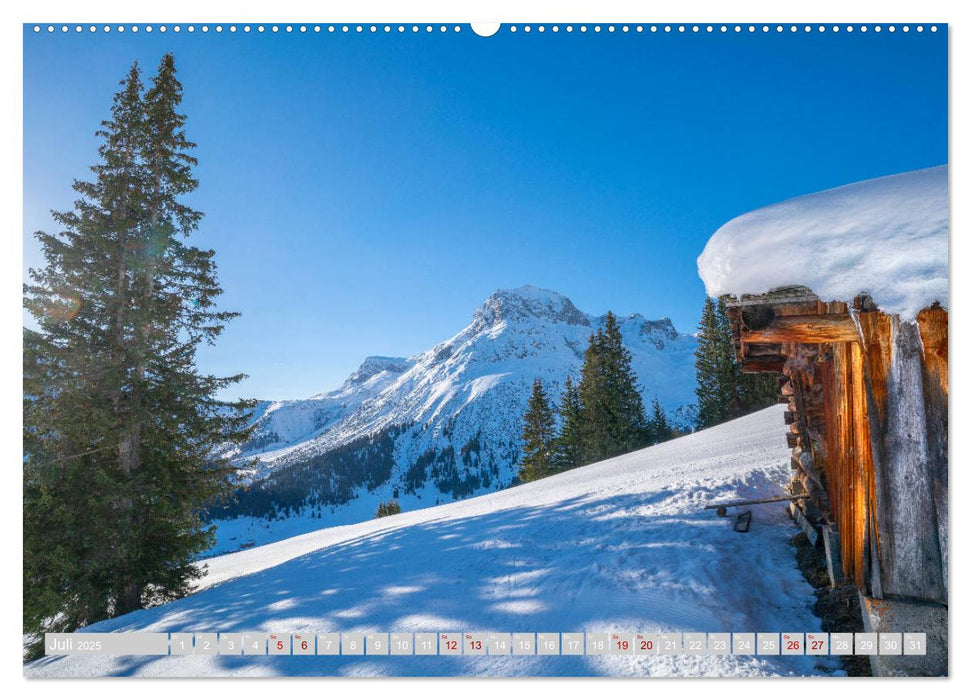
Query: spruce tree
(733, 377)
(660, 430)
(569, 442)
(120, 427)
(538, 436)
(715, 372)
(613, 410)
(591, 391)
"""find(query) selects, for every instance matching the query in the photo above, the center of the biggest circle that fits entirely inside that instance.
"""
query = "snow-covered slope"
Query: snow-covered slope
(885, 237)
(445, 423)
(622, 545)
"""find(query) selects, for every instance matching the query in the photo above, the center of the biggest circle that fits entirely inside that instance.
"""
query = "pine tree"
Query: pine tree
(569, 441)
(119, 425)
(538, 437)
(660, 430)
(613, 412)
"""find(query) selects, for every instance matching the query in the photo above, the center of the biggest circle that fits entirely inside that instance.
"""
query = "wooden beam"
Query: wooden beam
(764, 350)
(756, 365)
(831, 328)
(756, 501)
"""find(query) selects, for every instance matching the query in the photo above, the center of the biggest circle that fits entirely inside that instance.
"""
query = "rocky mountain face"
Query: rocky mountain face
(445, 423)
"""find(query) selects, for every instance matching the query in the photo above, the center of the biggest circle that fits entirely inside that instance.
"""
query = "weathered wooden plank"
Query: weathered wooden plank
(862, 459)
(831, 328)
(794, 462)
(778, 296)
(807, 527)
(852, 472)
(838, 456)
(764, 350)
(831, 547)
(933, 324)
(905, 513)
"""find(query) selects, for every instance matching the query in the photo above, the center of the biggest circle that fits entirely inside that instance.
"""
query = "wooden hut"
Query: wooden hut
(866, 394)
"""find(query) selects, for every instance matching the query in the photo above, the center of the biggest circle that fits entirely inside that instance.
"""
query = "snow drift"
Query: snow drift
(886, 237)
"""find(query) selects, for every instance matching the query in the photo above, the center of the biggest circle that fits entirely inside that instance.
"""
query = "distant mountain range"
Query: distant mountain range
(445, 423)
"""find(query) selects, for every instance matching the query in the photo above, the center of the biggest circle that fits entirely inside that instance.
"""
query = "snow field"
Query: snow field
(622, 545)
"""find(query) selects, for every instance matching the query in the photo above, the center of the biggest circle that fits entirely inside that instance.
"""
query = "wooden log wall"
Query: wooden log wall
(867, 420)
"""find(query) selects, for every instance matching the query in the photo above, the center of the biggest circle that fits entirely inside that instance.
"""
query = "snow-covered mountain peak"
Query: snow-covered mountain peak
(375, 364)
(446, 422)
(659, 333)
(528, 304)
(374, 374)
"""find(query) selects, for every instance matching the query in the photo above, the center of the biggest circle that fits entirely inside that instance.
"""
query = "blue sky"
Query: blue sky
(365, 192)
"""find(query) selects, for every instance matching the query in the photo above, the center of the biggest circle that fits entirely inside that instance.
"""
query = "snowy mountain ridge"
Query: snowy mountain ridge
(451, 415)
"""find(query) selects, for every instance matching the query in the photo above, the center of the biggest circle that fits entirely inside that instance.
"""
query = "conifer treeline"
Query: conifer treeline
(119, 424)
(601, 417)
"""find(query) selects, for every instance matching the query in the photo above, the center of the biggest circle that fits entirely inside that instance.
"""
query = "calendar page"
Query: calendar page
(525, 348)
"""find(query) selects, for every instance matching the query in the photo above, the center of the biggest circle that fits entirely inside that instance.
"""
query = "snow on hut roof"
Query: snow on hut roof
(885, 237)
